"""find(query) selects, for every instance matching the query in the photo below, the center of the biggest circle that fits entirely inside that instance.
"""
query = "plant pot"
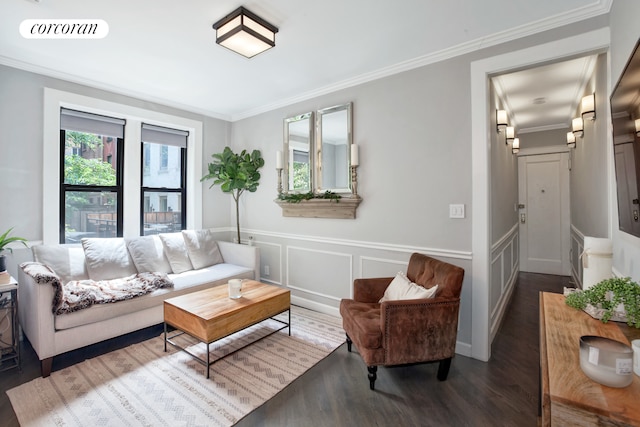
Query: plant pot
(3, 263)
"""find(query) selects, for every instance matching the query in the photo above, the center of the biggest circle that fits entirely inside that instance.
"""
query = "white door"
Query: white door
(543, 188)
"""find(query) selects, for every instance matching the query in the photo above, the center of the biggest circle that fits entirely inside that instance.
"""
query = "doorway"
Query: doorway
(544, 218)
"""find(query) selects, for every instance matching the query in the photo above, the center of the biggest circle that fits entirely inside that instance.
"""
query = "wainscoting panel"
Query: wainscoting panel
(379, 267)
(577, 246)
(270, 262)
(504, 272)
(323, 273)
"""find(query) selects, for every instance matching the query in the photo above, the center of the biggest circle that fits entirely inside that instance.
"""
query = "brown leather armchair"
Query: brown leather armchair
(405, 331)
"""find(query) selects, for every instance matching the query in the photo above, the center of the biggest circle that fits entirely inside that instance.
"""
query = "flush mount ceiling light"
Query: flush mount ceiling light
(571, 140)
(577, 126)
(245, 33)
(501, 120)
(589, 107)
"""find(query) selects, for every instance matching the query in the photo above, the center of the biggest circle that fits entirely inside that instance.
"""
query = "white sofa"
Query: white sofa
(192, 260)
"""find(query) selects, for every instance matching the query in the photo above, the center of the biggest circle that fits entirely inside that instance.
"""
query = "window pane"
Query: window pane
(164, 166)
(89, 159)
(89, 214)
(163, 212)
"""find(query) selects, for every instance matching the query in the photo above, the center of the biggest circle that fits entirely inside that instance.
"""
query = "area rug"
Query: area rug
(141, 385)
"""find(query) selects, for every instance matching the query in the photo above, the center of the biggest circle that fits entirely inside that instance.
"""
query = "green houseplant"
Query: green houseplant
(605, 297)
(235, 173)
(5, 240)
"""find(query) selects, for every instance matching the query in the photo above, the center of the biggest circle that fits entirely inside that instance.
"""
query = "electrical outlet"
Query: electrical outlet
(266, 270)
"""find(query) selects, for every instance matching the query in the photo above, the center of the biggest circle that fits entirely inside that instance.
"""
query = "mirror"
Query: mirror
(334, 148)
(298, 160)
(625, 113)
(319, 160)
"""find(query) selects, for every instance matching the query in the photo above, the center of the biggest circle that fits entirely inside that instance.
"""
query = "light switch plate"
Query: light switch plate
(456, 211)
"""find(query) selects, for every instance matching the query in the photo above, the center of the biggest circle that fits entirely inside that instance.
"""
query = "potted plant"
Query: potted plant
(235, 173)
(6, 240)
(616, 298)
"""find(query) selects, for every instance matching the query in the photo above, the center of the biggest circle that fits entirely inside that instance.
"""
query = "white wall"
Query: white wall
(624, 35)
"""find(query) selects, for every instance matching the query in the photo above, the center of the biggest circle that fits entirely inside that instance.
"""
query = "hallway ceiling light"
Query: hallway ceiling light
(501, 120)
(515, 148)
(245, 33)
(571, 140)
(510, 134)
(577, 126)
(589, 107)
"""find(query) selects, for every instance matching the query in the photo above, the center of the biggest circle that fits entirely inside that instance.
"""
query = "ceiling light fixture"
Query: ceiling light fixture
(589, 107)
(571, 140)
(501, 120)
(577, 126)
(637, 123)
(515, 148)
(510, 134)
(245, 33)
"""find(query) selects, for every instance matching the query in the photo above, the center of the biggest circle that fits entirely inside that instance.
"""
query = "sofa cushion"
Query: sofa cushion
(362, 320)
(147, 253)
(403, 288)
(202, 248)
(176, 252)
(66, 260)
(187, 282)
(107, 258)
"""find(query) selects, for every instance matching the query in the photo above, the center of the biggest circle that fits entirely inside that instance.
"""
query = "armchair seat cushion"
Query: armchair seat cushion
(362, 320)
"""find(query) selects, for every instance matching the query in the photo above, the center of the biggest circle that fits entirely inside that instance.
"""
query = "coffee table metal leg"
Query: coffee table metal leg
(289, 321)
(165, 337)
(208, 365)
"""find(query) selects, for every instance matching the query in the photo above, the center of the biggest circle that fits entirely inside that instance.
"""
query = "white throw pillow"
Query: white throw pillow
(202, 247)
(403, 288)
(148, 254)
(176, 252)
(67, 261)
(107, 258)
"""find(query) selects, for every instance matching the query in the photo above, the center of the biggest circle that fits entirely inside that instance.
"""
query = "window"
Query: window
(90, 176)
(164, 186)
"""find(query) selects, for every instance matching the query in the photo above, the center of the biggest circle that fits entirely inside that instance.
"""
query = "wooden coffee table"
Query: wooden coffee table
(210, 315)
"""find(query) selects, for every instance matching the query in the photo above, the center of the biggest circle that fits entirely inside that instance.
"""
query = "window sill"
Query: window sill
(345, 208)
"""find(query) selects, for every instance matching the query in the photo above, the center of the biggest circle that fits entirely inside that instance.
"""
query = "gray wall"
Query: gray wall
(624, 35)
(543, 138)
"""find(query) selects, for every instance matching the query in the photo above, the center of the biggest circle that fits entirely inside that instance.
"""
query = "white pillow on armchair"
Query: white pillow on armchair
(403, 288)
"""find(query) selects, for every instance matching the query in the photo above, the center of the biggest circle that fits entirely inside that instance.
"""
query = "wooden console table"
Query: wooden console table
(568, 396)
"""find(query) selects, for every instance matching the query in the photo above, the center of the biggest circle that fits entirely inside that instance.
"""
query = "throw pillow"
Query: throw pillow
(403, 288)
(67, 261)
(202, 247)
(176, 252)
(107, 258)
(148, 254)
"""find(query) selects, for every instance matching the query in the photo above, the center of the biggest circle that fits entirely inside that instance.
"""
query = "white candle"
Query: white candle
(354, 155)
(278, 159)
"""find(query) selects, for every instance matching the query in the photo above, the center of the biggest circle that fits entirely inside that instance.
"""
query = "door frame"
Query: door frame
(586, 43)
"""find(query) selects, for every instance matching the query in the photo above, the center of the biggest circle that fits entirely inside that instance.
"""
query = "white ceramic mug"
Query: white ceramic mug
(635, 344)
(235, 288)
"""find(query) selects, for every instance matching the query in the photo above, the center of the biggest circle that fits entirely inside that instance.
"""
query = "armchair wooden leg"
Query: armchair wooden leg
(443, 369)
(45, 366)
(372, 375)
(349, 342)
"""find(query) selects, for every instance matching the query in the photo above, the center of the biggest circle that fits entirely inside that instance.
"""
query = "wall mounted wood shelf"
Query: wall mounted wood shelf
(345, 208)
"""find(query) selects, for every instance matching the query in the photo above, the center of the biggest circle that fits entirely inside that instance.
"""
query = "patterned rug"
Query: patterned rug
(141, 385)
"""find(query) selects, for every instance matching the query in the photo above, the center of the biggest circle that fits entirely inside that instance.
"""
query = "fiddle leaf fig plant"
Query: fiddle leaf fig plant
(5, 240)
(608, 295)
(235, 173)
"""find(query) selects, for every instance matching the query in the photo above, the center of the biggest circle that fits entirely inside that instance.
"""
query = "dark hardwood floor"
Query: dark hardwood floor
(335, 392)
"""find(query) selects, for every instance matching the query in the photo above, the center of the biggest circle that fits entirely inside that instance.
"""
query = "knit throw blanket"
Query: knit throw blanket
(78, 294)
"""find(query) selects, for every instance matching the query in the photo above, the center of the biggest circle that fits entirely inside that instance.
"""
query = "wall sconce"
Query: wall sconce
(501, 120)
(637, 123)
(510, 134)
(577, 126)
(589, 107)
(245, 33)
(515, 147)
(571, 140)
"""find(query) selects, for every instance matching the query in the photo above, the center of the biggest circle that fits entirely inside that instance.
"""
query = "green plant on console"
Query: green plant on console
(235, 173)
(6, 240)
(298, 197)
(608, 294)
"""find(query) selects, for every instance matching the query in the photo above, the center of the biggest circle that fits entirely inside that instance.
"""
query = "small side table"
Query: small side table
(10, 352)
